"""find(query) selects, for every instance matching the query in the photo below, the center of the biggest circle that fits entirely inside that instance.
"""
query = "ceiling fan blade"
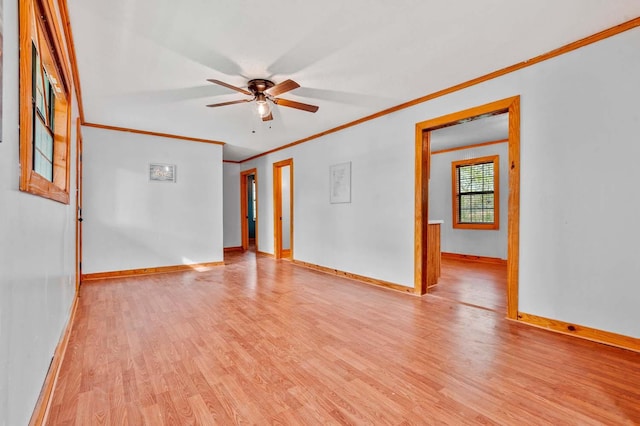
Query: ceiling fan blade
(237, 89)
(239, 101)
(281, 88)
(296, 105)
(268, 117)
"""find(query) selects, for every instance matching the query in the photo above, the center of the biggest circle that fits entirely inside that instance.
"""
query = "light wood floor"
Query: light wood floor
(478, 284)
(260, 341)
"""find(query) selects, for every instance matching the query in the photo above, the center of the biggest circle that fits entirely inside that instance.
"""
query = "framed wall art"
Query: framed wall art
(340, 183)
(162, 172)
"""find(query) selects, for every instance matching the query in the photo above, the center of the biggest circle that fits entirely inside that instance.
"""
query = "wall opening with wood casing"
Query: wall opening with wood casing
(249, 207)
(423, 158)
(231, 205)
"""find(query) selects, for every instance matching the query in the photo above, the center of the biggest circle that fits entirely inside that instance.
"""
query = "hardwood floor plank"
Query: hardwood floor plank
(200, 410)
(167, 410)
(207, 394)
(265, 341)
(152, 415)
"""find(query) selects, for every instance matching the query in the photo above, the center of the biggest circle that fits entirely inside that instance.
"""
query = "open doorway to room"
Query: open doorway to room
(249, 209)
(469, 208)
(283, 209)
(468, 193)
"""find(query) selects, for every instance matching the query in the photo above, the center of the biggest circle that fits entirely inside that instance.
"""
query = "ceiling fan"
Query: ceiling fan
(265, 91)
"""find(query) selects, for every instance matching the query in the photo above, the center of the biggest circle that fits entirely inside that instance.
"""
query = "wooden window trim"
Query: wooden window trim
(38, 24)
(495, 159)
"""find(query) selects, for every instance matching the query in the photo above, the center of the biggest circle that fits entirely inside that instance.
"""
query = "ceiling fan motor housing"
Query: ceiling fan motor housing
(259, 85)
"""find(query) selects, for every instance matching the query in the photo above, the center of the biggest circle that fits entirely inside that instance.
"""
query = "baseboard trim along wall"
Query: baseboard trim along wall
(361, 278)
(150, 271)
(473, 258)
(232, 249)
(41, 409)
(595, 335)
(265, 254)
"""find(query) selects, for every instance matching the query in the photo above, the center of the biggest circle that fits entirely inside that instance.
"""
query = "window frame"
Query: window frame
(38, 27)
(455, 196)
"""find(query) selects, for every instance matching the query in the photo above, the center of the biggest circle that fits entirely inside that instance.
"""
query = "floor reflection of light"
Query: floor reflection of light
(194, 265)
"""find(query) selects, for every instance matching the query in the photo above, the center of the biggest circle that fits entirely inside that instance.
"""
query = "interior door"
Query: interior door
(283, 209)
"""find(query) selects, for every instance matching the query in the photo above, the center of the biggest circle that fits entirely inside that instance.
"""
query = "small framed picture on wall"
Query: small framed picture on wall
(340, 183)
(162, 172)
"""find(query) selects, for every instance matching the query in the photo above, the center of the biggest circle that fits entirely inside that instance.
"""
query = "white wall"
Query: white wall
(372, 235)
(131, 222)
(578, 227)
(489, 243)
(37, 258)
(231, 205)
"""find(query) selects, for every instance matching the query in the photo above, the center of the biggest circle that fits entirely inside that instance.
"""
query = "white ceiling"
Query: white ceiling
(143, 64)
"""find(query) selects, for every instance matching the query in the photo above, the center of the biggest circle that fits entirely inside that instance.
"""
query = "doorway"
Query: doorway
(249, 209)
(424, 267)
(468, 193)
(283, 209)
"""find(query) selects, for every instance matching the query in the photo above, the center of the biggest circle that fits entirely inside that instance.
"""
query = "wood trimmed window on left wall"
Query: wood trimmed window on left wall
(45, 106)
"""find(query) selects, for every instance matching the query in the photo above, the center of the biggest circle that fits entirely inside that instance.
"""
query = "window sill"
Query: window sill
(478, 226)
(37, 185)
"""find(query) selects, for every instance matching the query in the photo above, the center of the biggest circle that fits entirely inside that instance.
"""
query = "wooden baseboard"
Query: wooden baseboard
(265, 254)
(361, 278)
(593, 334)
(232, 249)
(149, 271)
(39, 415)
(473, 258)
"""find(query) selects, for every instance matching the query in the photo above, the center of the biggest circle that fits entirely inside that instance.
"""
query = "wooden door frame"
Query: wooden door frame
(277, 209)
(422, 167)
(244, 207)
(78, 203)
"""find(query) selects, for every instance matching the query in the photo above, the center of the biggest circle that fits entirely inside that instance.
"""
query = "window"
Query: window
(475, 193)
(43, 100)
(45, 117)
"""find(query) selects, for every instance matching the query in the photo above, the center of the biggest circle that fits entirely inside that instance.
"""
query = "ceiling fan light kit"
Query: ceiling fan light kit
(263, 106)
(263, 92)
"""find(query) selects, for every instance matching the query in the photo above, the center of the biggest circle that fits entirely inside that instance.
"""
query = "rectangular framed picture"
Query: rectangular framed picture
(162, 172)
(340, 183)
